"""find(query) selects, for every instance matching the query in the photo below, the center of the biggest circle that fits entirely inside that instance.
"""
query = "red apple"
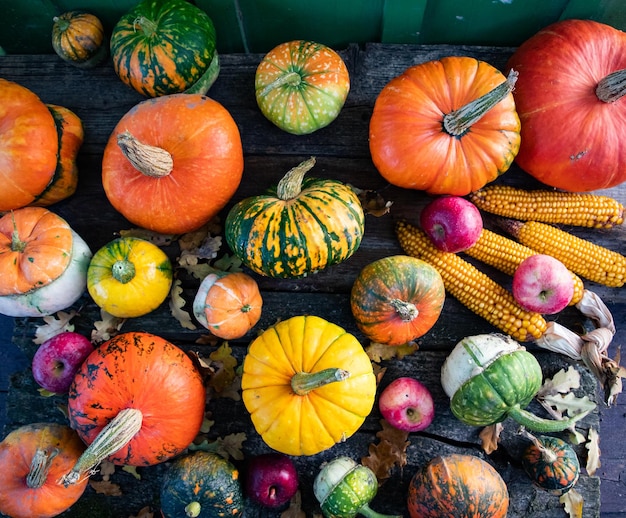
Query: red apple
(453, 223)
(407, 404)
(271, 480)
(57, 360)
(543, 284)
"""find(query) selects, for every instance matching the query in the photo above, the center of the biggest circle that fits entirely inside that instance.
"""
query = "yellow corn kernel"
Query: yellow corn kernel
(506, 255)
(473, 288)
(557, 207)
(593, 262)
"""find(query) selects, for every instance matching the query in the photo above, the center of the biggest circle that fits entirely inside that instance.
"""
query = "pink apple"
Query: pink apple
(453, 223)
(407, 404)
(271, 480)
(543, 284)
(57, 360)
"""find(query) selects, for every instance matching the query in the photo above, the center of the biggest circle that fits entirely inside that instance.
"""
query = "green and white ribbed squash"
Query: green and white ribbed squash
(298, 227)
(163, 47)
(344, 489)
(491, 377)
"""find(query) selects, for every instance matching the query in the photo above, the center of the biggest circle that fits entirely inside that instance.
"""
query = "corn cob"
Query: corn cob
(593, 262)
(506, 255)
(558, 207)
(473, 288)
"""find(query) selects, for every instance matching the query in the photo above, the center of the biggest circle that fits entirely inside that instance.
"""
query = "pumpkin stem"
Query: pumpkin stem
(193, 509)
(62, 23)
(147, 26)
(612, 87)
(17, 245)
(292, 79)
(407, 311)
(123, 271)
(547, 454)
(149, 160)
(457, 122)
(112, 438)
(290, 185)
(538, 424)
(304, 382)
(39, 468)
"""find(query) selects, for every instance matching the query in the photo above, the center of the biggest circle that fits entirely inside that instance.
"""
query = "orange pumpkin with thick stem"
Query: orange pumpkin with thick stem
(137, 400)
(29, 144)
(173, 162)
(34, 457)
(572, 77)
(445, 127)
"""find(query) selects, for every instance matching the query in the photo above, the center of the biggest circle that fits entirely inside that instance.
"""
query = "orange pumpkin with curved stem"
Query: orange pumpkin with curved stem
(173, 162)
(29, 144)
(35, 457)
(445, 127)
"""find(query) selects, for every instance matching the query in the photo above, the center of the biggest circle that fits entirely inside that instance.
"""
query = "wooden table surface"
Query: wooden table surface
(100, 99)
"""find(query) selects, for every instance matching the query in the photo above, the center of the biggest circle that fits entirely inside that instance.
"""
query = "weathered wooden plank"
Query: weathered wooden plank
(342, 150)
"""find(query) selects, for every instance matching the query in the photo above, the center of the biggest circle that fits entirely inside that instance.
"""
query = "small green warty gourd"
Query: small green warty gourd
(491, 377)
(344, 489)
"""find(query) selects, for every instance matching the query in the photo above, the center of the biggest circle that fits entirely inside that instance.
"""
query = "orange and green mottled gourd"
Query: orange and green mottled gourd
(457, 486)
(78, 38)
(447, 126)
(65, 179)
(308, 384)
(34, 457)
(163, 47)
(397, 299)
(298, 227)
(129, 277)
(29, 145)
(201, 484)
(137, 400)
(301, 86)
(173, 162)
(43, 263)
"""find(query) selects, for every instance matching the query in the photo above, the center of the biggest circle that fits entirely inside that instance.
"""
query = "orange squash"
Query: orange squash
(445, 127)
(228, 304)
(173, 162)
(29, 144)
(34, 457)
(65, 179)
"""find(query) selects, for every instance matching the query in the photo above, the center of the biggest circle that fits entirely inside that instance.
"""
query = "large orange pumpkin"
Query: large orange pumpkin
(173, 162)
(137, 399)
(29, 144)
(571, 79)
(445, 127)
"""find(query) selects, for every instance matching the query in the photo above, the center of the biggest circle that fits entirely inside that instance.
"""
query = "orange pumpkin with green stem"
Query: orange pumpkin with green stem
(445, 127)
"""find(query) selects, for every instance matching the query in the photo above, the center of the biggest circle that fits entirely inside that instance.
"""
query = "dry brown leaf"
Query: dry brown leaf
(390, 451)
(490, 437)
(106, 328)
(378, 352)
(54, 324)
(105, 487)
(106, 469)
(372, 202)
(593, 451)
(209, 339)
(227, 446)
(295, 507)
(573, 503)
(176, 306)
(224, 363)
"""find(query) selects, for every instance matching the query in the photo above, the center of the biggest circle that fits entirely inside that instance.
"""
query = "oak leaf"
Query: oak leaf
(593, 451)
(573, 503)
(177, 302)
(389, 452)
(54, 324)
